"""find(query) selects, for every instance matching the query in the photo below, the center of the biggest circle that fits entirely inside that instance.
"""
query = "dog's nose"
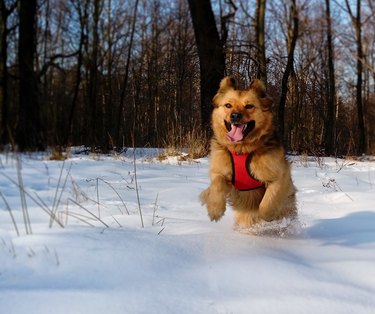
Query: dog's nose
(235, 117)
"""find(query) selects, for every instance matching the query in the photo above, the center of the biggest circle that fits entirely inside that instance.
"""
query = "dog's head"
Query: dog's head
(241, 115)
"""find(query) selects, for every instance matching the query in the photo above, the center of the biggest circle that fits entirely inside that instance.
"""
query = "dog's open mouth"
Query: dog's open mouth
(237, 132)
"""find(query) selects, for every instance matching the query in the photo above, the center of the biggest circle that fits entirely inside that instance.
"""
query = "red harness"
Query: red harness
(242, 178)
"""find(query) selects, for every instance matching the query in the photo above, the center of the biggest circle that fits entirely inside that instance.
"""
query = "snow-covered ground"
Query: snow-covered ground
(101, 259)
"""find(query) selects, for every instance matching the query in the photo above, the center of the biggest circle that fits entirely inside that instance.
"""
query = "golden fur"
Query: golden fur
(277, 198)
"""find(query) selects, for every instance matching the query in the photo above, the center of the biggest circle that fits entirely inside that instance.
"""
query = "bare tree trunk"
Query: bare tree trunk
(291, 44)
(109, 106)
(83, 16)
(260, 40)
(95, 109)
(211, 55)
(356, 21)
(29, 128)
(126, 77)
(3, 73)
(5, 129)
(330, 121)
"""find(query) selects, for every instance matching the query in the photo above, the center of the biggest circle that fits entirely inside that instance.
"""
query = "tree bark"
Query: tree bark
(330, 120)
(5, 128)
(260, 40)
(126, 78)
(83, 17)
(356, 21)
(29, 128)
(291, 44)
(3, 72)
(211, 55)
(95, 109)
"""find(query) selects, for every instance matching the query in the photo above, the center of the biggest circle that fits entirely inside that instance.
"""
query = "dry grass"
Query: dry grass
(197, 144)
(58, 153)
(192, 145)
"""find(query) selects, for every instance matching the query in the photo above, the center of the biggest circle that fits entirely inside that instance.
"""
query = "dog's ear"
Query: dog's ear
(226, 84)
(260, 90)
(258, 87)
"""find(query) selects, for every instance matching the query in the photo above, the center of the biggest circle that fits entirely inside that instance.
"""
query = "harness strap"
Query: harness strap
(242, 179)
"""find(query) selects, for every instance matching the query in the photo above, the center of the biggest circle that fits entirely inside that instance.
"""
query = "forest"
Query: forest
(109, 74)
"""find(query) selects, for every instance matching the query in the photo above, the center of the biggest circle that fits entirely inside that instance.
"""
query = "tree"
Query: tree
(357, 24)
(120, 113)
(211, 55)
(291, 45)
(260, 40)
(95, 112)
(3, 71)
(83, 17)
(330, 123)
(29, 128)
(5, 12)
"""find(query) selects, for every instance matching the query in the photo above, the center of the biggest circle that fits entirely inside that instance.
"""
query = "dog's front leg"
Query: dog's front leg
(271, 205)
(215, 197)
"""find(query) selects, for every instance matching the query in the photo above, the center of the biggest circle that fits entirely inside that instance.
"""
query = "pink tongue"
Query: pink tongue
(236, 133)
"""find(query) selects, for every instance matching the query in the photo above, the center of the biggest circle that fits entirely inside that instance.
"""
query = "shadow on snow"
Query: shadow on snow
(353, 229)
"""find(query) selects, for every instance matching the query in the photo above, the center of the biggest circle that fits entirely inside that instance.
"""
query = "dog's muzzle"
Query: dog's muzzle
(237, 131)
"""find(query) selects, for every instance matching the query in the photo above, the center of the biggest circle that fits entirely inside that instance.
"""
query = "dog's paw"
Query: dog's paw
(216, 204)
(216, 211)
(266, 214)
(215, 215)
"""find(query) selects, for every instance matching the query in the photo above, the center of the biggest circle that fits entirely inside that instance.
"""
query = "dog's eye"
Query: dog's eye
(228, 106)
(249, 106)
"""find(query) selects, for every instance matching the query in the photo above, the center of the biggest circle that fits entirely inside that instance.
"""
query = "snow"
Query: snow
(103, 261)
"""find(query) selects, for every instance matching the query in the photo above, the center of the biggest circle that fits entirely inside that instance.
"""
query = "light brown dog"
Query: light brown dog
(243, 129)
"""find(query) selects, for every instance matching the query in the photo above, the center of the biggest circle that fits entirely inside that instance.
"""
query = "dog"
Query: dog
(248, 166)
